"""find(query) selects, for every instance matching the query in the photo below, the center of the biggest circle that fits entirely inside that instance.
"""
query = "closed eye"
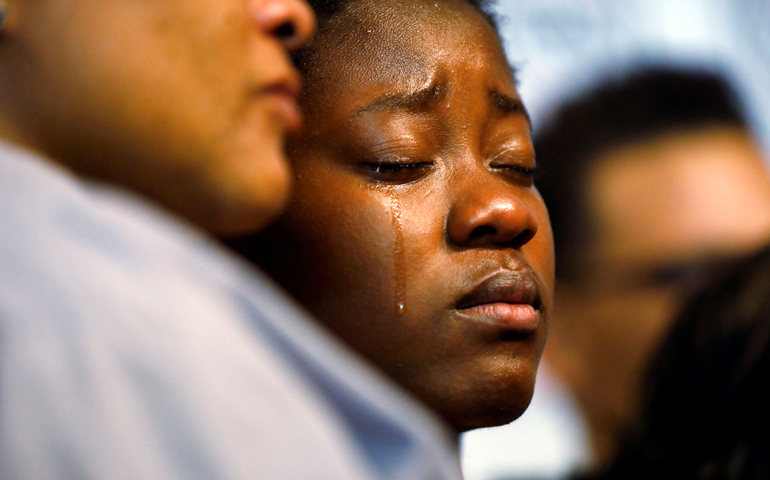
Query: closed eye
(395, 171)
(522, 175)
(518, 168)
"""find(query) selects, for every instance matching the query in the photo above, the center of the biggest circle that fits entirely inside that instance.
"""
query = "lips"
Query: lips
(283, 95)
(509, 300)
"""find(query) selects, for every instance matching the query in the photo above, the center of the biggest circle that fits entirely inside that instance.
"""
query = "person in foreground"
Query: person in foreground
(133, 346)
(415, 231)
(704, 411)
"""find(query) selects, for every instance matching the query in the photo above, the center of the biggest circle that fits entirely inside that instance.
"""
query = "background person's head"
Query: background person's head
(415, 231)
(187, 102)
(705, 406)
(649, 180)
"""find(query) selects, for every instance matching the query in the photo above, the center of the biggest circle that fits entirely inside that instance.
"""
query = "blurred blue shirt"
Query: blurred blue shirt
(133, 347)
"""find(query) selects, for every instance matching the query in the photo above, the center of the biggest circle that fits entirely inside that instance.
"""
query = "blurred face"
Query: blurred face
(666, 212)
(415, 231)
(666, 203)
(186, 101)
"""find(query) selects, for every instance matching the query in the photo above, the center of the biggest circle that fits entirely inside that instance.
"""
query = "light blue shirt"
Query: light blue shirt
(133, 347)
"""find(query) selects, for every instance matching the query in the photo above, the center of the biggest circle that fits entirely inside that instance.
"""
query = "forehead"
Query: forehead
(381, 43)
(680, 197)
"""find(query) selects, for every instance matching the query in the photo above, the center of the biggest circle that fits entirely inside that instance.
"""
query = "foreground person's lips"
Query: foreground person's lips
(283, 95)
(508, 300)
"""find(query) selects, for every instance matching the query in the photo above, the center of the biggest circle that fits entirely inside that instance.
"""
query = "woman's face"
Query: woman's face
(185, 101)
(415, 231)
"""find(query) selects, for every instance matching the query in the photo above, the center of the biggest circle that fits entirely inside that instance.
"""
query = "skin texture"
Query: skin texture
(413, 188)
(665, 210)
(187, 102)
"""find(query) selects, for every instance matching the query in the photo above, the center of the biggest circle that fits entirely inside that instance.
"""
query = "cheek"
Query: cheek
(423, 262)
(337, 236)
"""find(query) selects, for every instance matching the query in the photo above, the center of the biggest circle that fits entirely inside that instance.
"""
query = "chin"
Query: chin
(252, 204)
(480, 405)
(491, 415)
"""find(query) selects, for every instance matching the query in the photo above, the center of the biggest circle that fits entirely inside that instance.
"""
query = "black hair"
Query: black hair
(326, 10)
(642, 105)
(706, 410)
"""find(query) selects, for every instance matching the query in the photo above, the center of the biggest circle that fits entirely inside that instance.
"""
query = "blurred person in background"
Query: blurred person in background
(703, 411)
(131, 345)
(650, 180)
(653, 181)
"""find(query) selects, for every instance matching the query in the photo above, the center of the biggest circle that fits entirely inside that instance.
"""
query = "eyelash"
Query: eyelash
(395, 167)
(516, 168)
(528, 176)
(386, 171)
(404, 172)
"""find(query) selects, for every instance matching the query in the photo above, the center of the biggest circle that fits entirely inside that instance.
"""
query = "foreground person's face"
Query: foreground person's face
(186, 101)
(415, 231)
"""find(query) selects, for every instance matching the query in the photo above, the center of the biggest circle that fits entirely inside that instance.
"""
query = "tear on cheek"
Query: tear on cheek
(399, 279)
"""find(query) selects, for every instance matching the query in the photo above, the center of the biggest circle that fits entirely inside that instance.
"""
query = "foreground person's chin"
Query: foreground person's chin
(249, 207)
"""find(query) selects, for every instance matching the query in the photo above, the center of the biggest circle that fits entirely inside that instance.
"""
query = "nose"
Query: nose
(490, 216)
(290, 21)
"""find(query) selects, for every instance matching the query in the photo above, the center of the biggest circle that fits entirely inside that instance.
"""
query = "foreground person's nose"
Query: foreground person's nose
(290, 21)
(490, 215)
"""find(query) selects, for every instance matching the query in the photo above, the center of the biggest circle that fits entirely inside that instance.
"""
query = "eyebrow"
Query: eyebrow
(404, 101)
(509, 105)
(429, 95)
